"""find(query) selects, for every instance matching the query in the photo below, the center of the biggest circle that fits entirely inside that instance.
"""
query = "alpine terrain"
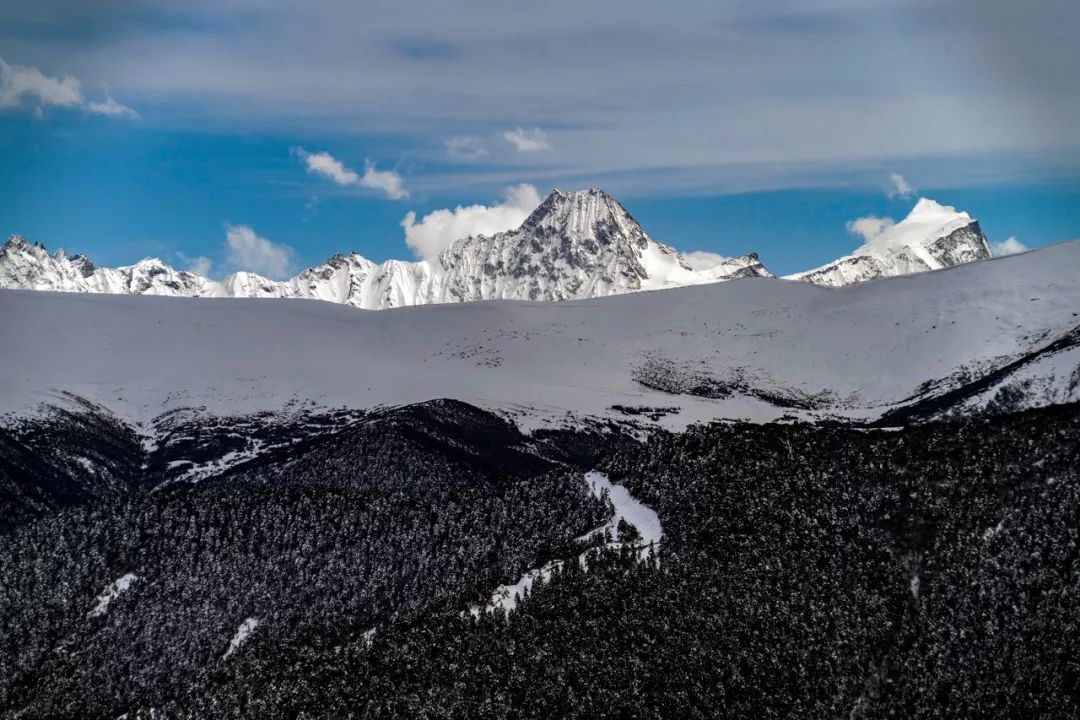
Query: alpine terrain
(931, 237)
(573, 246)
(751, 498)
(563, 461)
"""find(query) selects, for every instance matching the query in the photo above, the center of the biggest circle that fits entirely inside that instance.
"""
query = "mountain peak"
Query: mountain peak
(932, 236)
(582, 214)
(82, 263)
(18, 244)
(15, 241)
(586, 192)
(926, 205)
(929, 210)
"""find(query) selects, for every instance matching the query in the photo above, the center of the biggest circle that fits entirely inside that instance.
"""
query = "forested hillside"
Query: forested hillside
(804, 571)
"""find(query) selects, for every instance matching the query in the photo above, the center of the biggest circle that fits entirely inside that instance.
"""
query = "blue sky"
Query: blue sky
(131, 129)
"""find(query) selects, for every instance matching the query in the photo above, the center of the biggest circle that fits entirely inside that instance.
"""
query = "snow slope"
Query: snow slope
(931, 237)
(574, 245)
(121, 585)
(626, 507)
(757, 348)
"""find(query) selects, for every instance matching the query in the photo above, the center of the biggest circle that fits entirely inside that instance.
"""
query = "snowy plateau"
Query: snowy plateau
(973, 336)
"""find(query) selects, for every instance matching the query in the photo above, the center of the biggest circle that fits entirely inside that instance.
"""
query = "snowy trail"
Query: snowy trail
(627, 508)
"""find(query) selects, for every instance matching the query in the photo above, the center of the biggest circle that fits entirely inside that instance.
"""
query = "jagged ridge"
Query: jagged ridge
(574, 245)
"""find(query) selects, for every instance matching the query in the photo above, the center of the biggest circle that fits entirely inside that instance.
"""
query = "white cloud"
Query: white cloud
(701, 260)
(901, 188)
(387, 181)
(642, 106)
(325, 164)
(464, 147)
(440, 228)
(244, 250)
(111, 108)
(19, 84)
(528, 140)
(870, 228)
(1009, 246)
(199, 265)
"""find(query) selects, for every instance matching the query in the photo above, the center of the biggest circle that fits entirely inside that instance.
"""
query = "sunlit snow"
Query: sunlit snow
(111, 592)
(626, 507)
(855, 352)
(242, 634)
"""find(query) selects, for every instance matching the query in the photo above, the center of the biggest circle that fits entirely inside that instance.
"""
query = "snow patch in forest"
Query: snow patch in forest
(111, 592)
(626, 507)
(242, 634)
(195, 472)
(991, 532)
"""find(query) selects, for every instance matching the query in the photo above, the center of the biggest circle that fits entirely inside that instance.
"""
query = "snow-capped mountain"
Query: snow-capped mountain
(30, 267)
(931, 237)
(574, 245)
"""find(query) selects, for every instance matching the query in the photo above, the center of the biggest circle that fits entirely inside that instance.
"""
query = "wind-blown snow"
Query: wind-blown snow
(931, 237)
(111, 592)
(928, 220)
(242, 634)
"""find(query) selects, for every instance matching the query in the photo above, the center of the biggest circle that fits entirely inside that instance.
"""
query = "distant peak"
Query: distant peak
(82, 264)
(561, 208)
(592, 192)
(927, 208)
(18, 242)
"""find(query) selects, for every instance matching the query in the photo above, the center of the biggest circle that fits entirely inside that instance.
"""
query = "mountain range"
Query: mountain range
(572, 246)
